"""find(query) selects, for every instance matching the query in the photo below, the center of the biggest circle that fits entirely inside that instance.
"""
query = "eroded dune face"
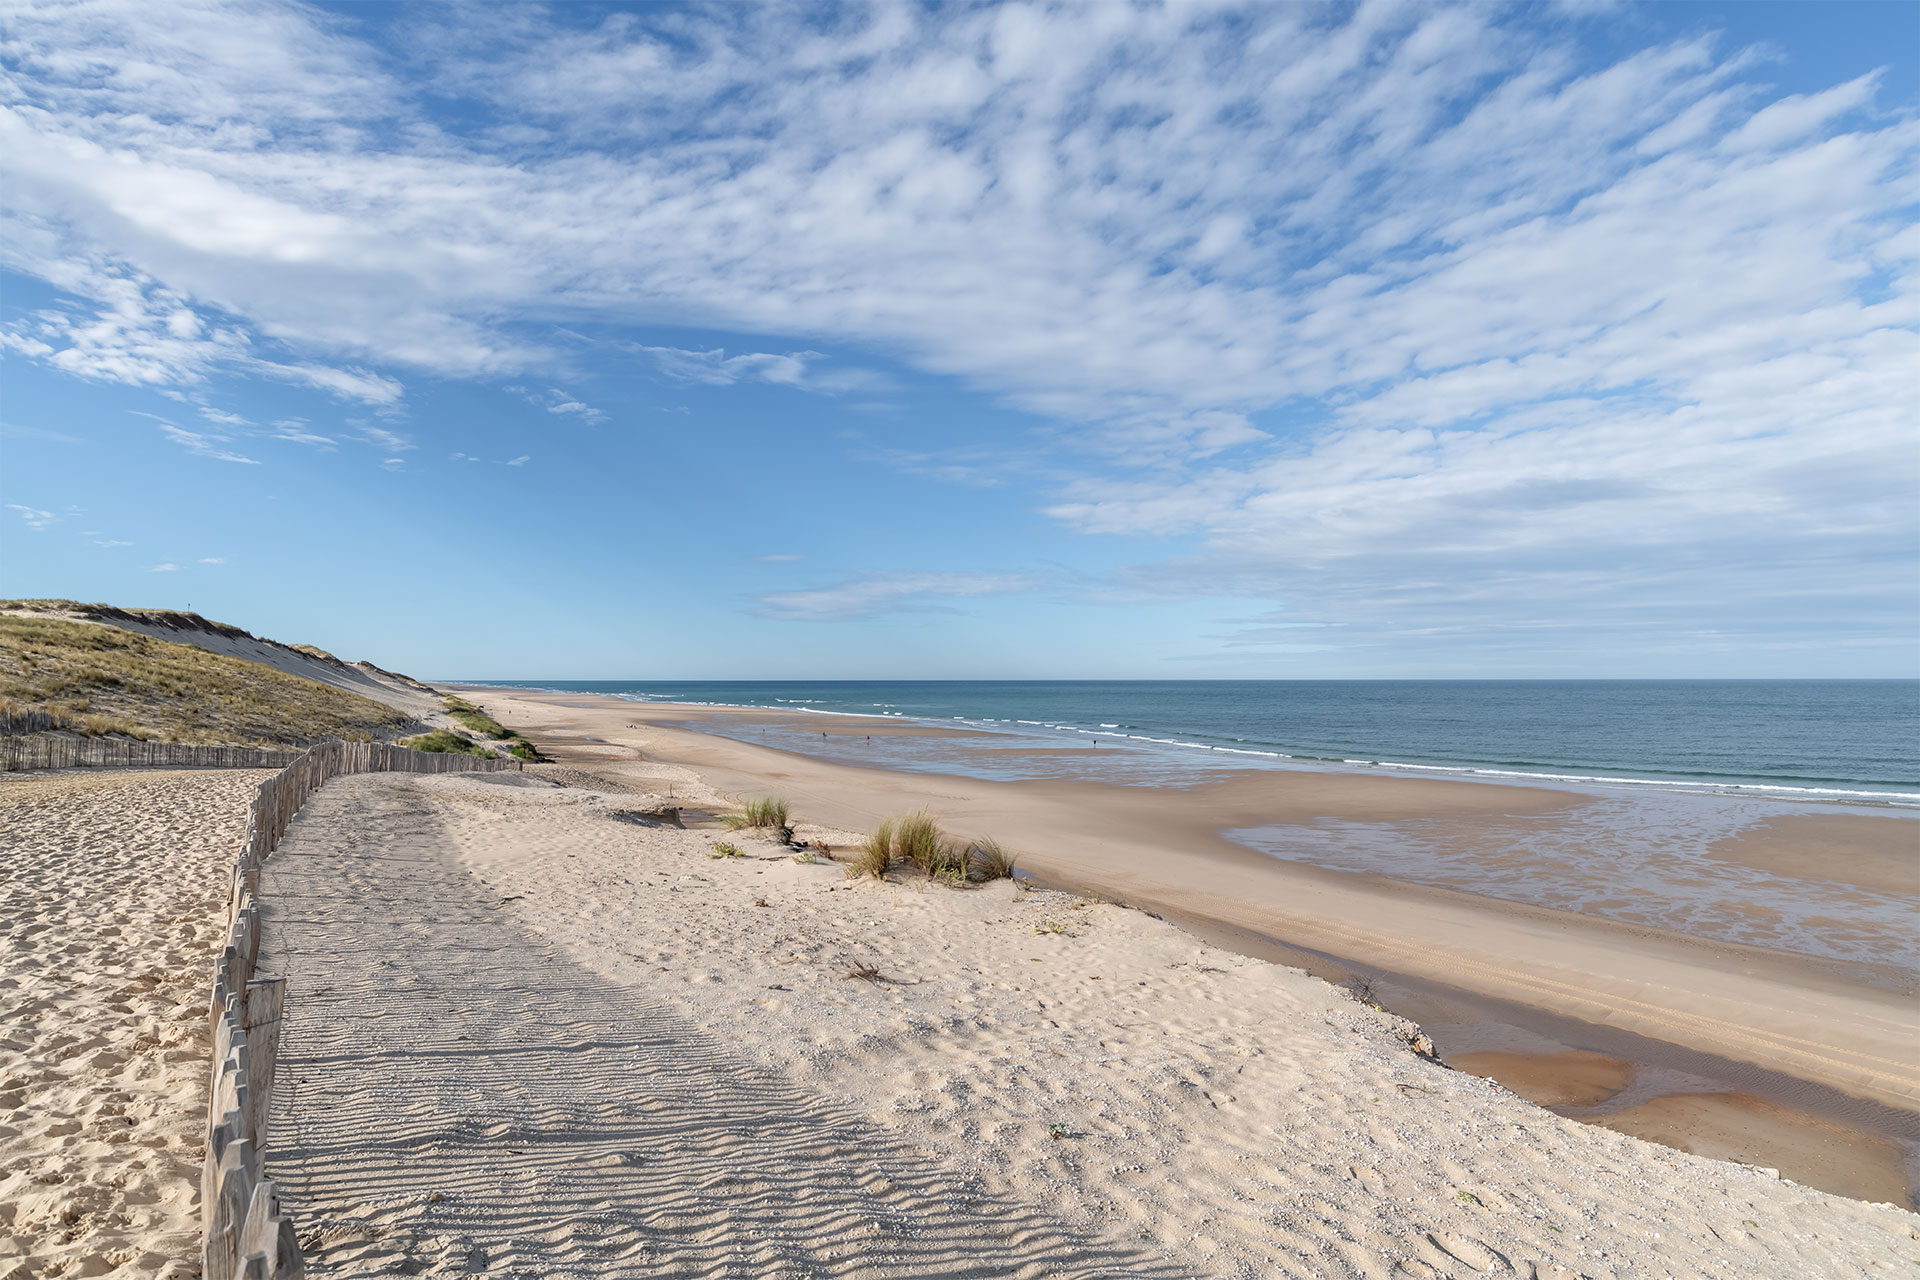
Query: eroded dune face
(111, 887)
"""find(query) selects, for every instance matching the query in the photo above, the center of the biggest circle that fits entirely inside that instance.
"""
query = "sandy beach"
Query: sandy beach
(1847, 1030)
(112, 886)
(535, 1035)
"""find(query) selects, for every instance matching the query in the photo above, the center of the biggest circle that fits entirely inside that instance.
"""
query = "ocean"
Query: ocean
(1835, 741)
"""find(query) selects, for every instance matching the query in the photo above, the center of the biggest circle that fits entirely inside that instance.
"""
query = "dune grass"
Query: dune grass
(767, 811)
(442, 741)
(106, 680)
(477, 720)
(989, 860)
(876, 855)
(916, 840)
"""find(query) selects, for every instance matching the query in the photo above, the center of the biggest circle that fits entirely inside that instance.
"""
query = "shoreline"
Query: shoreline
(1827, 1024)
(1552, 777)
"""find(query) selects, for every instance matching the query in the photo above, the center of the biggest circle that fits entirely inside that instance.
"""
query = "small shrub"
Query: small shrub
(726, 849)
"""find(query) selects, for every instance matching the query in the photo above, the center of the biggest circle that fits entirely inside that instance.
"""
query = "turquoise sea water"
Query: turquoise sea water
(1669, 770)
(1832, 740)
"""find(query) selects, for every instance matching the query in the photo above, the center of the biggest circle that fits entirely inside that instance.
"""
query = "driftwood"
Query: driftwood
(245, 1235)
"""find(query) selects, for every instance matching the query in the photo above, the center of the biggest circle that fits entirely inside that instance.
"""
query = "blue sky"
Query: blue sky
(1386, 339)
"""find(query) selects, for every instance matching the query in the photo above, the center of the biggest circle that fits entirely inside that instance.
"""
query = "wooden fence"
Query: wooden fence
(244, 1233)
(31, 720)
(58, 751)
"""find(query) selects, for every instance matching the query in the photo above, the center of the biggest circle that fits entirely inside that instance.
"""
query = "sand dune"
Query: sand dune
(402, 693)
(530, 1035)
(111, 888)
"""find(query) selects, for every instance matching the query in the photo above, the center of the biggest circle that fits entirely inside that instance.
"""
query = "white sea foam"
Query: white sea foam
(1777, 790)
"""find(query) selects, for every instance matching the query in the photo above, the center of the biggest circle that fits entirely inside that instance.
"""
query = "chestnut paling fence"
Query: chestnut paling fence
(245, 1235)
(35, 750)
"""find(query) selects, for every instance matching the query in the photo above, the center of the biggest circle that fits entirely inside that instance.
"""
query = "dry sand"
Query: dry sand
(529, 1036)
(111, 889)
(1845, 1026)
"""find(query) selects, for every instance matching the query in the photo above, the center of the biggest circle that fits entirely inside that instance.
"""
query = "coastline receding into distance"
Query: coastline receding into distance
(1852, 738)
(1840, 1026)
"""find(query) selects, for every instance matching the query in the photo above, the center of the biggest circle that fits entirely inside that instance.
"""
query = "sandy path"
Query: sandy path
(458, 1093)
(111, 889)
(613, 1055)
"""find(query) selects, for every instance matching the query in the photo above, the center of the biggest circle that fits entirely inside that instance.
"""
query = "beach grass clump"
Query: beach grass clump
(988, 859)
(767, 811)
(875, 857)
(917, 839)
(442, 741)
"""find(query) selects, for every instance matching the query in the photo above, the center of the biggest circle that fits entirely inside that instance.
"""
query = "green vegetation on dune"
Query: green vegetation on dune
(446, 741)
(476, 719)
(916, 840)
(767, 811)
(102, 679)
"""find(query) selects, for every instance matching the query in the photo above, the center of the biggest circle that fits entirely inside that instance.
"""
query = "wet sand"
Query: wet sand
(1852, 850)
(1848, 1027)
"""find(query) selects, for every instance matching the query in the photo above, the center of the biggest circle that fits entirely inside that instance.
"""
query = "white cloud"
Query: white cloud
(1228, 222)
(381, 438)
(205, 444)
(164, 568)
(795, 369)
(111, 542)
(563, 403)
(892, 593)
(520, 461)
(373, 389)
(212, 560)
(394, 464)
(1370, 302)
(294, 431)
(36, 519)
